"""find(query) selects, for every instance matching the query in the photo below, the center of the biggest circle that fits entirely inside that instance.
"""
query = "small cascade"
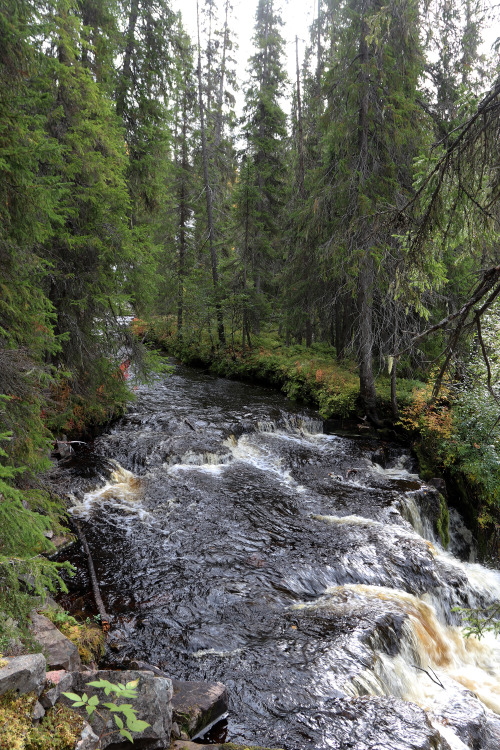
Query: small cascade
(411, 510)
(190, 458)
(293, 423)
(123, 489)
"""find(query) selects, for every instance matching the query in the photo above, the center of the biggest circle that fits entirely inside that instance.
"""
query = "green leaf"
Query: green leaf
(94, 701)
(126, 734)
(119, 722)
(73, 697)
(90, 709)
(137, 725)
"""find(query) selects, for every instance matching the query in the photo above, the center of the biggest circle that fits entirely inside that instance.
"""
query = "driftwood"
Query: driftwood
(105, 619)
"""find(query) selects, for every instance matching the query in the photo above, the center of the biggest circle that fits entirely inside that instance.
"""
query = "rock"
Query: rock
(63, 447)
(380, 457)
(88, 739)
(175, 731)
(38, 711)
(55, 676)
(63, 682)
(373, 722)
(152, 705)
(440, 485)
(23, 674)
(61, 652)
(197, 704)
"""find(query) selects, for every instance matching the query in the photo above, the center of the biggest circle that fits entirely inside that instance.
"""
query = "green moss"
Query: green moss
(88, 637)
(426, 468)
(443, 522)
(58, 730)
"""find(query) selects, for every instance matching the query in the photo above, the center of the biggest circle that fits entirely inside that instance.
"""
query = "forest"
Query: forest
(338, 237)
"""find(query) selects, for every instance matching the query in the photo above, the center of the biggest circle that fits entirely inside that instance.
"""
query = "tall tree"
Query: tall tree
(266, 137)
(371, 139)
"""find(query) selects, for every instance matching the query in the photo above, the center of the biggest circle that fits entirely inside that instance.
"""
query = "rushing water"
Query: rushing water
(236, 542)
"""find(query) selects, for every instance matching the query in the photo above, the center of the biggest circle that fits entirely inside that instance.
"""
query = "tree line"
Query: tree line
(130, 185)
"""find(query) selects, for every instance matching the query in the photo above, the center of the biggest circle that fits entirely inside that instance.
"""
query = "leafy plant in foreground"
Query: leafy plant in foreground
(133, 724)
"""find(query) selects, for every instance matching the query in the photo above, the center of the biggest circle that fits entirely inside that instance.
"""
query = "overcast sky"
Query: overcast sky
(297, 15)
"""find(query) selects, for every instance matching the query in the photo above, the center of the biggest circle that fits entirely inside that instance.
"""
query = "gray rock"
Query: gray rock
(197, 704)
(373, 722)
(52, 695)
(440, 485)
(152, 705)
(88, 739)
(38, 711)
(61, 652)
(23, 674)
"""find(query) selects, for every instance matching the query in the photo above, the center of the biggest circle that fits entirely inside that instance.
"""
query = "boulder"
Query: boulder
(380, 457)
(197, 704)
(152, 705)
(57, 683)
(440, 485)
(61, 652)
(23, 674)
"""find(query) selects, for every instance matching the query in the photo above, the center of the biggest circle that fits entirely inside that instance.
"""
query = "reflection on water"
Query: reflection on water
(236, 542)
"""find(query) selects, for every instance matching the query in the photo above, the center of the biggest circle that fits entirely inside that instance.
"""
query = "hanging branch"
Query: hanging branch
(490, 280)
(486, 359)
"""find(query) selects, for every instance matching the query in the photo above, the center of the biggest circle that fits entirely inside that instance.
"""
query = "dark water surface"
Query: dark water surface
(235, 542)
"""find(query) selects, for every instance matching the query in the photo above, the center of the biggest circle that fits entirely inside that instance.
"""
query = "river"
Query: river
(236, 542)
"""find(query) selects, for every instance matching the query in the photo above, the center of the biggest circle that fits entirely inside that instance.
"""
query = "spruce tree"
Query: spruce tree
(266, 134)
(372, 135)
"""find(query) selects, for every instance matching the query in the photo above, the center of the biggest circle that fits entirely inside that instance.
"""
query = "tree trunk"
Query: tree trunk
(220, 99)
(208, 194)
(366, 379)
(183, 217)
(299, 123)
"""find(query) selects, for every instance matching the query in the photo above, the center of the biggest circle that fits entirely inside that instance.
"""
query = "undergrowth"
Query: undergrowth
(308, 374)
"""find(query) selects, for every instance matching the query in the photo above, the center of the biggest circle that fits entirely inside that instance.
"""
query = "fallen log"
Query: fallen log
(105, 618)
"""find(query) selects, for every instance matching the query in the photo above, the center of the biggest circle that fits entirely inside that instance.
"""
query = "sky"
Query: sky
(297, 15)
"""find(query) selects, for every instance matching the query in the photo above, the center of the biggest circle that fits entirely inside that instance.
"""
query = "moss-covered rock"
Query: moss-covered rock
(58, 730)
(87, 637)
(443, 522)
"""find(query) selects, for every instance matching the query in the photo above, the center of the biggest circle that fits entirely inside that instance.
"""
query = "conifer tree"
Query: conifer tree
(371, 139)
(266, 138)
